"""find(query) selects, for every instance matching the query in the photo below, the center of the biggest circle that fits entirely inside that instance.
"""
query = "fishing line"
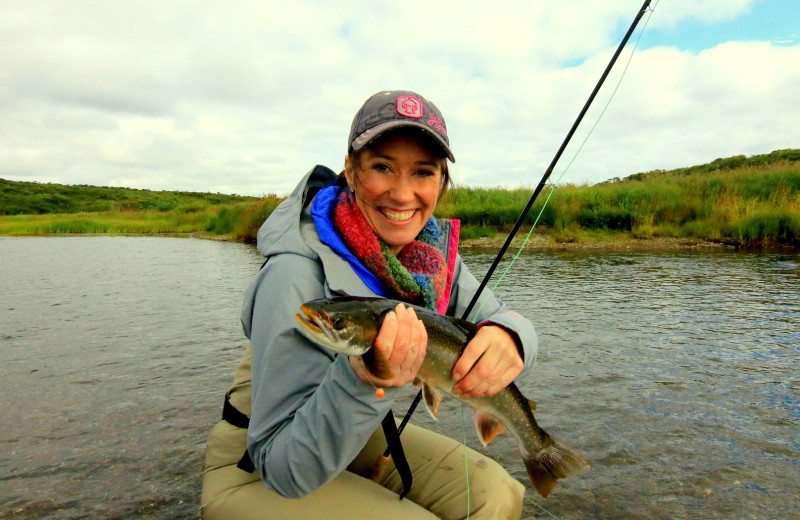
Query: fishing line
(560, 151)
(542, 182)
(466, 460)
(578, 151)
(547, 200)
(545, 510)
(535, 195)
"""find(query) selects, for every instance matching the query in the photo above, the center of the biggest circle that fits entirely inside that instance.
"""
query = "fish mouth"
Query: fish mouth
(312, 325)
(317, 327)
(309, 320)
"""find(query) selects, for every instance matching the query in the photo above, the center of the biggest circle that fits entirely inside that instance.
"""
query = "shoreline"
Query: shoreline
(604, 244)
(547, 243)
(537, 243)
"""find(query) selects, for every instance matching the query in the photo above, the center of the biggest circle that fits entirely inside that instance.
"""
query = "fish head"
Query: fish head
(346, 325)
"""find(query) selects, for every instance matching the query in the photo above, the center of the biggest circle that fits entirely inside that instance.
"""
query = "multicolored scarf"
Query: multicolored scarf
(417, 275)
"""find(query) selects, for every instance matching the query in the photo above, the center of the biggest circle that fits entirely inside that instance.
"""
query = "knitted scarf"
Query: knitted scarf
(417, 275)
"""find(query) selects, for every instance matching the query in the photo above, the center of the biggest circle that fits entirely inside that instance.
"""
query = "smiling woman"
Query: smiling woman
(397, 182)
(301, 431)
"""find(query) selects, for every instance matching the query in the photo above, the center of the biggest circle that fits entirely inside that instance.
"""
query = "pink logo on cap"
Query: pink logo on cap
(436, 122)
(409, 106)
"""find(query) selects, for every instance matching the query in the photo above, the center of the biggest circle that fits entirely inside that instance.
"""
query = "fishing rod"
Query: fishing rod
(550, 168)
(537, 191)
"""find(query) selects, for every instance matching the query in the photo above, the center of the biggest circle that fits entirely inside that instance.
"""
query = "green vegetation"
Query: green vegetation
(740, 201)
(25, 198)
(30, 208)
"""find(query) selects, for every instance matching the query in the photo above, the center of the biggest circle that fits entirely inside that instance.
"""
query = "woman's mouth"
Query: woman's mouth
(398, 215)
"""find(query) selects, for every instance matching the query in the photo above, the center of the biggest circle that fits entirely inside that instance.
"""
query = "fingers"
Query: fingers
(402, 342)
(387, 335)
(410, 343)
(490, 361)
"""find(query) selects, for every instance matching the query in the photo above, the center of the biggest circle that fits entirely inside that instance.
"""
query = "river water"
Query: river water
(675, 374)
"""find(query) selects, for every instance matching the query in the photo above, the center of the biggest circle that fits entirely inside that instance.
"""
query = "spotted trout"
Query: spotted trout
(349, 325)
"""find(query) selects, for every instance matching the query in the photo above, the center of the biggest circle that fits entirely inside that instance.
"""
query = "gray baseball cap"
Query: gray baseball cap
(390, 109)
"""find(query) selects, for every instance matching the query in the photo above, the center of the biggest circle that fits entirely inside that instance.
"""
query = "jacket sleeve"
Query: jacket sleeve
(490, 309)
(310, 414)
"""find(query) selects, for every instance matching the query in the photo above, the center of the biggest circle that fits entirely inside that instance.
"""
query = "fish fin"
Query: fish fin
(488, 427)
(551, 463)
(532, 404)
(432, 397)
(376, 362)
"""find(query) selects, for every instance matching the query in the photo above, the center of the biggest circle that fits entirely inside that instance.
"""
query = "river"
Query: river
(675, 374)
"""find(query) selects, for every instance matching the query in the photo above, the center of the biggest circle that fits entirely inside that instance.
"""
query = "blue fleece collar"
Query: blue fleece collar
(322, 212)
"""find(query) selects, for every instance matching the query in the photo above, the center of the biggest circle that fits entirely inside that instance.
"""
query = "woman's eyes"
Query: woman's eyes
(385, 168)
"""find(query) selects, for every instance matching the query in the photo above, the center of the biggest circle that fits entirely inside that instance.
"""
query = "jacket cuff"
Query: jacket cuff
(511, 332)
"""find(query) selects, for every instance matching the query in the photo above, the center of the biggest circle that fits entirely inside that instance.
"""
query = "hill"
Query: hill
(18, 197)
(737, 162)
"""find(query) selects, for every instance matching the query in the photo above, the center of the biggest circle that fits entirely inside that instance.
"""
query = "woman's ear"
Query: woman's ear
(348, 172)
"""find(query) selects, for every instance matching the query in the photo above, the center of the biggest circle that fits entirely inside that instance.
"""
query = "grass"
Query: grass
(741, 201)
(25, 198)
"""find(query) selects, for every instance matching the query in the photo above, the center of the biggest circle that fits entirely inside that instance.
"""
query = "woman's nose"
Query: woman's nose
(402, 191)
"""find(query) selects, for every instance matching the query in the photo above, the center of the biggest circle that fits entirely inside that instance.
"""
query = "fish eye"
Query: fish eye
(338, 323)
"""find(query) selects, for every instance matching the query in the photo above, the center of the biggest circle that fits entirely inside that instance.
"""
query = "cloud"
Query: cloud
(244, 97)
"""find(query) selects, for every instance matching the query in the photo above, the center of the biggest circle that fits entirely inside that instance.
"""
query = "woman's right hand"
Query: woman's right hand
(399, 350)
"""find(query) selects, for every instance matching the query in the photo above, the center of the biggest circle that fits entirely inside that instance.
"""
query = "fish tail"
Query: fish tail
(551, 463)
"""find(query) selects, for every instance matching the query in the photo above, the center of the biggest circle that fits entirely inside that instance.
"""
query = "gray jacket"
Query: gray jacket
(310, 414)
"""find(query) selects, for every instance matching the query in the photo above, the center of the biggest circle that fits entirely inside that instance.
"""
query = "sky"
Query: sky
(245, 97)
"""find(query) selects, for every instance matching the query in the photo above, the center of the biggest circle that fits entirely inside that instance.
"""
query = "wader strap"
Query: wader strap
(240, 420)
(232, 415)
(396, 449)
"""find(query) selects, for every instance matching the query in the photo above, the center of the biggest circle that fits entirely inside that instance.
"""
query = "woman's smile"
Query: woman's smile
(397, 215)
(396, 183)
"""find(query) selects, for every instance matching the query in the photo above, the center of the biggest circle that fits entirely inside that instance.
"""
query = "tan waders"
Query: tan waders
(437, 464)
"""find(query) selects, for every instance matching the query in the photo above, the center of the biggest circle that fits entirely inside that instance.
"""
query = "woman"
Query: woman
(313, 434)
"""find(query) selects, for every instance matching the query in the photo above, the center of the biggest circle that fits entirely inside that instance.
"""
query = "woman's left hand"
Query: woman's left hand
(488, 364)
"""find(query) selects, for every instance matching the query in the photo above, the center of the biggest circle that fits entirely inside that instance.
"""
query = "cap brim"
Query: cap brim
(370, 135)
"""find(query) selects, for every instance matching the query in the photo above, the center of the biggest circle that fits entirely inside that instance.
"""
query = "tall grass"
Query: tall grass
(243, 220)
(140, 222)
(19, 197)
(746, 206)
(239, 221)
(747, 202)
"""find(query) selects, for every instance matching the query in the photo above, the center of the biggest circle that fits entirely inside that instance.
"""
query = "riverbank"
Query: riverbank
(742, 202)
(599, 242)
(607, 242)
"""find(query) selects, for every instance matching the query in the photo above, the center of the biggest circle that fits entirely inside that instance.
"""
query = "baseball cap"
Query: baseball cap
(390, 109)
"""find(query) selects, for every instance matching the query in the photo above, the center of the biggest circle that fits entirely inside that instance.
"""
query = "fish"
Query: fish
(349, 325)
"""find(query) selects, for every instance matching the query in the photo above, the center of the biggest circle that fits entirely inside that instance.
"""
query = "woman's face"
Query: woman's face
(396, 186)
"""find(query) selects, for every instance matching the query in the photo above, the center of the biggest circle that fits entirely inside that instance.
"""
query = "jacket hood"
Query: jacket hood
(280, 233)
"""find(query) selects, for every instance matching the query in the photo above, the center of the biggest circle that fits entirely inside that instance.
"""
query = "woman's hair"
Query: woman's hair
(436, 149)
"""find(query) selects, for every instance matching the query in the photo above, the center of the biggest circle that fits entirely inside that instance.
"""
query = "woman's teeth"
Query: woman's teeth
(398, 215)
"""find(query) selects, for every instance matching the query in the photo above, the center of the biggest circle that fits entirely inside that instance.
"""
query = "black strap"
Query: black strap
(406, 418)
(396, 449)
(232, 415)
(240, 420)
